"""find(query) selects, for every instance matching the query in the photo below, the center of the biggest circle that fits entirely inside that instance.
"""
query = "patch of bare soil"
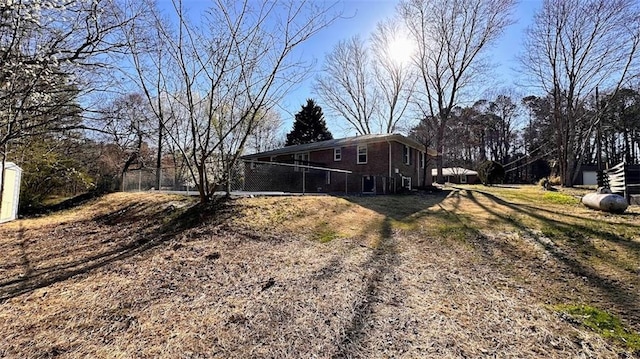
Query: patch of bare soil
(270, 278)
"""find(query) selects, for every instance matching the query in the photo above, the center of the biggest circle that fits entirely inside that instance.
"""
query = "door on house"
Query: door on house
(368, 184)
(406, 182)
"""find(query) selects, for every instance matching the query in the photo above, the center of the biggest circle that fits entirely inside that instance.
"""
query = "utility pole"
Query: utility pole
(598, 133)
(599, 171)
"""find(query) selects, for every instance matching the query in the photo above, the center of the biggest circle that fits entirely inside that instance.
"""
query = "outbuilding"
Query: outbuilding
(456, 175)
(10, 195)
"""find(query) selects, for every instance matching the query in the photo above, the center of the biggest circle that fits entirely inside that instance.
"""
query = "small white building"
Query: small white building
(456, 175)
(11, 194)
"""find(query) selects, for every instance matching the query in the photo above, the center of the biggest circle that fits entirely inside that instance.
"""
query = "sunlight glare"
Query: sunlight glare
(401, 49)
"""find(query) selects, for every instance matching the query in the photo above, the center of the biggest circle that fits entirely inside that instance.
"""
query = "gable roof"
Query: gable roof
(11, 166)
(342, 142)
(454, 171)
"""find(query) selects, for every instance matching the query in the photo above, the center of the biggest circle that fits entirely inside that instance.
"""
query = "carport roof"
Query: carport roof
(454, 171)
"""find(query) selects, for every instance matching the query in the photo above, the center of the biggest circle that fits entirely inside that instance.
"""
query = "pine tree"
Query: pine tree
(309, 126)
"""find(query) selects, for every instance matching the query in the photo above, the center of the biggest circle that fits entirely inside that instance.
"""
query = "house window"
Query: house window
(422, 159)
(362, 154)
(301, 159)
(337, 154)
(406, 155)
(463, 178)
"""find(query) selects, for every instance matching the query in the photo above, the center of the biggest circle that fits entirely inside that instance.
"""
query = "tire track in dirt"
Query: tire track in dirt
(430, 297)
(382, 260)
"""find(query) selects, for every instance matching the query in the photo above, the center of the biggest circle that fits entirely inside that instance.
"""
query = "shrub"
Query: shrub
(551, 181)
(490, 172)
(555, 180)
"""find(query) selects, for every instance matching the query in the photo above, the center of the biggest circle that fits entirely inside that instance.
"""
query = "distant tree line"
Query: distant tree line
(572, 49)
(521, 135)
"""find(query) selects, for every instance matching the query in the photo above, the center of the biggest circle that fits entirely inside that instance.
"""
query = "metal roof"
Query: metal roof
(454, 171)
(342, 142)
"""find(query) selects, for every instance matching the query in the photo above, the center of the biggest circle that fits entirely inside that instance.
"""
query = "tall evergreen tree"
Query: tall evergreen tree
(309, 126)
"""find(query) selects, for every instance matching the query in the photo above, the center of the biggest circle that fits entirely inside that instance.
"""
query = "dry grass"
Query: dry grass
(566, 252)
(468, 275)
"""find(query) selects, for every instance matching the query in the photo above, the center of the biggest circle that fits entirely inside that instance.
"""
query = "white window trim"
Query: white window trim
(337, 154)
(366, 154)
(463, 178)
(406, 157)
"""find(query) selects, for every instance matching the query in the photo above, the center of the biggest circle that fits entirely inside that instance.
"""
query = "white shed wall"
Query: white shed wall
(11, 193)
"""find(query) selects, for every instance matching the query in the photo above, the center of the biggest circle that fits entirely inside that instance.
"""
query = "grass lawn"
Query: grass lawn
(510, 271)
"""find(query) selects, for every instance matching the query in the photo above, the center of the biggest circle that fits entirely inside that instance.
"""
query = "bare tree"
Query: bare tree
(451, 37)
(266, 135)
(127, 125)
(152, 73)
(393, 73)
(573, 47)
(347, 85)
(368, 83)
(217, 80)
(46, 47)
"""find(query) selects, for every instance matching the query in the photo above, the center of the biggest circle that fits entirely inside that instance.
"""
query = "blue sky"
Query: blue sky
(365, 14)
(361, 17)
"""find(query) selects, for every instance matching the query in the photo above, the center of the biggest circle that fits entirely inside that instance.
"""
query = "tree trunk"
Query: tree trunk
(228, 182)
(424, 171)
(483, 144)
(440, 149)
(627, 146)
(2, 176)
(159, 157)
(202, 182)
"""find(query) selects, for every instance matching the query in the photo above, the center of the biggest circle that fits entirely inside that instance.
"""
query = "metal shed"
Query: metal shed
(12, 175)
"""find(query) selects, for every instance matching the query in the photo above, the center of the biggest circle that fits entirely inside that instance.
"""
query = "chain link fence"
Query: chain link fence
(284, 177)
(265, 177)
(297, 178)
(145, 179)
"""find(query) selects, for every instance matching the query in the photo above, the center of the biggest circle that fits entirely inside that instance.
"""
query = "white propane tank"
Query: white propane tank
(607, 202)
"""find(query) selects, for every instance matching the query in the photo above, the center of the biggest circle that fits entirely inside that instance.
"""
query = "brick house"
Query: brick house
(378, 164)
